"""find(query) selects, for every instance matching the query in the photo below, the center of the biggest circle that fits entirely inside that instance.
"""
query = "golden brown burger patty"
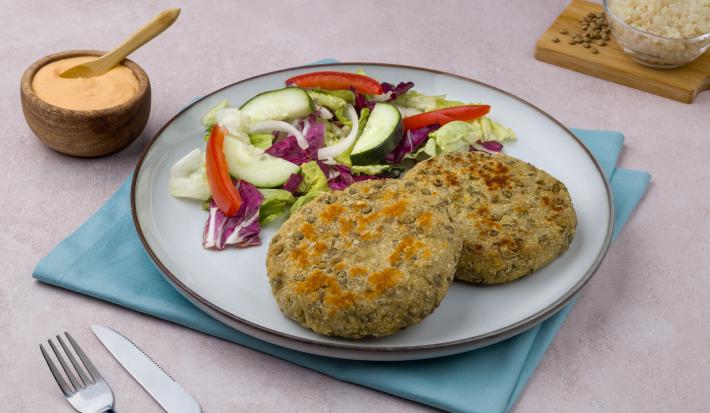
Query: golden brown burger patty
(514, 217)
(366, 261)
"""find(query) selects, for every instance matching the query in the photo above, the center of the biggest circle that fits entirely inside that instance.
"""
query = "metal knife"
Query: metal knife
(171, 396)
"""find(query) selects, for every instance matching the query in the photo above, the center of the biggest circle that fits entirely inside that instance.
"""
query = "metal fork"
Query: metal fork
(88, 393)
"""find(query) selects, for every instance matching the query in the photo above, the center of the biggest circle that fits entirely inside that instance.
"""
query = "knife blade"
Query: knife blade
(164, 389)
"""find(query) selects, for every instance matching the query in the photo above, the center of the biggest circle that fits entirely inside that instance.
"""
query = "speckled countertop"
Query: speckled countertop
(637, 340)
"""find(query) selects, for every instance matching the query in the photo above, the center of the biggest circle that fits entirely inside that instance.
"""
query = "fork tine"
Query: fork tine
(67, 370)
(84, 359)
(74, 363)
(57, 376)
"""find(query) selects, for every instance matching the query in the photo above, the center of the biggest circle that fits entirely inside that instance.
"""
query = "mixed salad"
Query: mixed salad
(322, 132)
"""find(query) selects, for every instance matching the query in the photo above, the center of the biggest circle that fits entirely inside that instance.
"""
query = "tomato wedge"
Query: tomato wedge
(337, 81)
(224, 193)
(446, 115)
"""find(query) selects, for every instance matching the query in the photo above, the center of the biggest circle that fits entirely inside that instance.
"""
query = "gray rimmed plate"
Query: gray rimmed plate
(232, 285)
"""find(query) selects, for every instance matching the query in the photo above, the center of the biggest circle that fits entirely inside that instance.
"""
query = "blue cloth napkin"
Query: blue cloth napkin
(105, 259)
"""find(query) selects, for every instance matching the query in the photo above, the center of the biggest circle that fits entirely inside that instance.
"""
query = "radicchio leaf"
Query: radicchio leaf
(409, 143)
(394, 91)
(389, 93)
(361, 101)
(288, 148)
(493, 146)
(240, 230)
(314, 132)
(292, 183)
(341, 177)
(487, 146)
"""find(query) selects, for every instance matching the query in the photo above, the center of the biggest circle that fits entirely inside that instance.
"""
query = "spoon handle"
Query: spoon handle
(146, 33)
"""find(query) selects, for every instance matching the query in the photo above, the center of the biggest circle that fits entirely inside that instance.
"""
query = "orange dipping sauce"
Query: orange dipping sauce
(114, 87)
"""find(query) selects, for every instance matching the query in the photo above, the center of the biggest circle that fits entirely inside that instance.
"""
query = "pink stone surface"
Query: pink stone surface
(638, 339)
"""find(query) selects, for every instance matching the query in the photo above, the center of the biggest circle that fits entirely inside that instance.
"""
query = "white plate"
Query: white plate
(232, 285)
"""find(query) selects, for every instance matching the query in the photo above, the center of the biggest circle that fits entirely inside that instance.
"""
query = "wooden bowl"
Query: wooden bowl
(85, 133)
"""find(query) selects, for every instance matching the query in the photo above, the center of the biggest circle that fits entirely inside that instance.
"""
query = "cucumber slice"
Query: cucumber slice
(256, 166)
(281, 104)
(381, 135)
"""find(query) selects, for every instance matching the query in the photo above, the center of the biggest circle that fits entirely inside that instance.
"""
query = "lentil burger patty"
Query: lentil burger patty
(514, 217)
(366, 261)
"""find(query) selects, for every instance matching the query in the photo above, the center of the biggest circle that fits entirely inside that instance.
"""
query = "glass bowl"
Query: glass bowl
(653, 50)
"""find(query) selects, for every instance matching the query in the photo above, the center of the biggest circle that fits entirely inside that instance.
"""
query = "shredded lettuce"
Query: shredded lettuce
(275, 203)
(303, 200)
(344, 158)
(407, 112)
(424, 103)
(313, 178)
(342, 117)
(188, 177)
(364, 115)
(455, 136)
(236, 123)
(494, 131)
(451, 135)
(261, 140)
(314, 183)
(459, 136)
(427, 151)
(346, 95)
(333, 133)
(369, 169)
(211, 117)
(332, 102)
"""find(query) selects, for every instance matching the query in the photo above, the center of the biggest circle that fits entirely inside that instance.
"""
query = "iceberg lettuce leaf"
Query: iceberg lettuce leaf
(275, 203)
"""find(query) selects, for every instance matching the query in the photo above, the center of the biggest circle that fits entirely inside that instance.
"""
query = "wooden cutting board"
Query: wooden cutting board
(682, 84)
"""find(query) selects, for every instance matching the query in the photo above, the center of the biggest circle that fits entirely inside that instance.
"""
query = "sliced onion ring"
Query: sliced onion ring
(329, 161)
(306, 126)
(277, 125)
(385, 97)
(344, 144)
(323, 112)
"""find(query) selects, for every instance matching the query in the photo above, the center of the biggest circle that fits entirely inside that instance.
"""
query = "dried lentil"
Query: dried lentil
(595, 29)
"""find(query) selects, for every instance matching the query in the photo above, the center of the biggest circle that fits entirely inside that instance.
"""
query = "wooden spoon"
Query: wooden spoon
(146, 33)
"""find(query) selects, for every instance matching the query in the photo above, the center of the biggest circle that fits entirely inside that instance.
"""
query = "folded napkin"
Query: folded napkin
(105, 259)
